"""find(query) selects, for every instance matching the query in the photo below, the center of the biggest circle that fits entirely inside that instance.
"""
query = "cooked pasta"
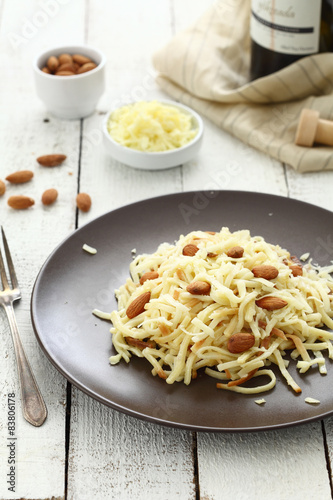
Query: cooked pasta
(228, 303)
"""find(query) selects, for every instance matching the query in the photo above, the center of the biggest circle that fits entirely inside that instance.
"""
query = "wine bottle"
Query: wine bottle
(283, 31)
(326, 27)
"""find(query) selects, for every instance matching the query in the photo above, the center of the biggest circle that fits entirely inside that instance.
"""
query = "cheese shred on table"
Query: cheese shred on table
(186, 304)
(151, 126)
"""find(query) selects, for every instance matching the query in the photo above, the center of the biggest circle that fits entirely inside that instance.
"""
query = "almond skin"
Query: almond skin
(20, 202)
(51, 160)
(265, 271)
(235, 252)
(86, 67)
(78, 58)
(240, 342)
(64, 73)
(199, 288)
(190, 250)
(49, 196)
(65, 58)
(271, 303)
(52, 63)
(149, 275)
(296, 270)
(211, 255)
(141, 344)
(68, 66)
(296, 260)
(83, 202)
(20, 177)
(2, 188)
(138, 305)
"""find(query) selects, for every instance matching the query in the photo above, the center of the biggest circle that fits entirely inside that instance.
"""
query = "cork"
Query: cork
(312, 129)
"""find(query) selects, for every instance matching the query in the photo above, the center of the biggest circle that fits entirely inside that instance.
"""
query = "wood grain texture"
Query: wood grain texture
(274, 464)
(116, 456)
(32, 235)
(128, 457)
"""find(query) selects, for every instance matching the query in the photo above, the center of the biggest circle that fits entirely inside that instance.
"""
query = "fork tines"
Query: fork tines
(10, 265)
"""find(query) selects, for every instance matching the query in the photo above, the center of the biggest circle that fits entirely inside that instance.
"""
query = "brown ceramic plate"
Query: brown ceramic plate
(71, 283)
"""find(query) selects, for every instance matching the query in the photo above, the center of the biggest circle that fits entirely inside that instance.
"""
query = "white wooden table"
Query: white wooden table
(86, 450)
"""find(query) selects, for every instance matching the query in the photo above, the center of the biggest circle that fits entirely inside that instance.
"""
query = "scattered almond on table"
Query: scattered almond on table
(2, 188)
(83, 202)
(49, 196)
(20, 202)
(51, 160)
(20, 177)
(68, 65)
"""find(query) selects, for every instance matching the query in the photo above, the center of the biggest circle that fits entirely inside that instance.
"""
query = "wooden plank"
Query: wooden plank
(128, 457)
(312, 187)
(115, 456)
(226, 163)
(32, 235)
(288, 463)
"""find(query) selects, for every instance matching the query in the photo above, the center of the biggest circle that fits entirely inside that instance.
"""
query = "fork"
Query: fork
(33, 406)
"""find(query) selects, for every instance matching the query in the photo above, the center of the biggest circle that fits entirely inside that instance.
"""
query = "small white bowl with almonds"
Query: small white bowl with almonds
(70, 80)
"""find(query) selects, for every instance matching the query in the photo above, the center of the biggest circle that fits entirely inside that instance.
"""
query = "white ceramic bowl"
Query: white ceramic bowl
(70, 97)
(159, 160)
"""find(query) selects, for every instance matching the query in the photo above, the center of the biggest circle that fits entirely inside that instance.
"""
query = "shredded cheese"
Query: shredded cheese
(101, 314)
(312, 401)
(180, 332)
(151, 126)
(89, 249)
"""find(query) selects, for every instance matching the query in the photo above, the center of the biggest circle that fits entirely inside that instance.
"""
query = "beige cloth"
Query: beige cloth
(207, 67)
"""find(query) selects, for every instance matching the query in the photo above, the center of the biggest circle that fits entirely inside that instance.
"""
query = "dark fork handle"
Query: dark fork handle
(33, 406)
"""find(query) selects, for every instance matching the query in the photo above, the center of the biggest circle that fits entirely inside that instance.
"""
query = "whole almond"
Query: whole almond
(67, 66)
(65, 58)
(20, 202)
(80, 59)
(235, 252)
(51, 160)
(46, 70)
(265, 271)
(64, 73)
(296, 270)
(271, 303)
(52, 63)
(86, 67)
(2, 188)
(49, 196)
(190, 250)
(199, 288)
(149, 275)
(240, 342)
(83, 202)
(20, 177)
(138, 305)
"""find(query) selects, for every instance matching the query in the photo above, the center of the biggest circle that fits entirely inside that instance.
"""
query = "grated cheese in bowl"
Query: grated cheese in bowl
(151, 126)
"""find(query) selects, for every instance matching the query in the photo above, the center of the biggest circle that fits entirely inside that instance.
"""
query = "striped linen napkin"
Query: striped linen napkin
(207, 67)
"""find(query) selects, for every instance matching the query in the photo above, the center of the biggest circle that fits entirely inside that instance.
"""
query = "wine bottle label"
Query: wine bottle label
(286, 26)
